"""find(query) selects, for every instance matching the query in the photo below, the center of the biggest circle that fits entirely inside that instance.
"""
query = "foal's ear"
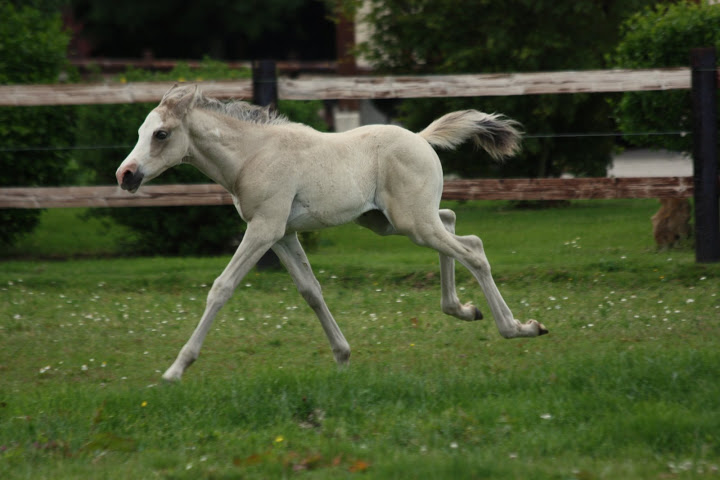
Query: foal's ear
(167, 94)
(187, 102)
(179, 100)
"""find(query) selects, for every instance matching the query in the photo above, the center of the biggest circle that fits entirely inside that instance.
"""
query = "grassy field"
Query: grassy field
(626, 386)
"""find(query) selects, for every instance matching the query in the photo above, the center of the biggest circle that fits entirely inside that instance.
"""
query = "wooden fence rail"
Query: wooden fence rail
(365, 87)
(478, 189)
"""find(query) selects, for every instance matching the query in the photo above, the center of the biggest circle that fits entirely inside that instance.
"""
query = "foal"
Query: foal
(285, 177)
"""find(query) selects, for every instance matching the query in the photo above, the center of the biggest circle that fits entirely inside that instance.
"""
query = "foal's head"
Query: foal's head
(163, 139)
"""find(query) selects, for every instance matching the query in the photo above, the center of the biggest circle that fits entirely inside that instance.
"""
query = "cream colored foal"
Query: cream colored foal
(286, 177)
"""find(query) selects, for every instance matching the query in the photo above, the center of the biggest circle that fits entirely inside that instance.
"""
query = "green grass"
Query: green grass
(625, 386)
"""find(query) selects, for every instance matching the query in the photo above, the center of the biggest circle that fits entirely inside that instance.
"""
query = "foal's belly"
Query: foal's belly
(306, 214)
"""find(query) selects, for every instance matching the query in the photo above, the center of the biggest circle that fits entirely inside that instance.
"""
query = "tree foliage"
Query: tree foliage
(247, 29)
(484, 36)
(32, 50)
(663, 37)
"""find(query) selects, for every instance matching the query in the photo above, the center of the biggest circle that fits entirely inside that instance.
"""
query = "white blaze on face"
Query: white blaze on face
(141, 152)
(140, 156)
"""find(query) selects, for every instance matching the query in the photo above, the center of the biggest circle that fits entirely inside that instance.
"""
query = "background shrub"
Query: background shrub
(663, 37)
(444, 37)
(32, 50)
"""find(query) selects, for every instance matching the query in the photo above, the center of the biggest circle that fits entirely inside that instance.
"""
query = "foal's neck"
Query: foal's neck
(219, 145)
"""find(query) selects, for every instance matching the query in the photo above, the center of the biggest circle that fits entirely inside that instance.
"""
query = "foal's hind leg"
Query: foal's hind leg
(469, 251)
(378, 223)
(450, 302)
(292, 255)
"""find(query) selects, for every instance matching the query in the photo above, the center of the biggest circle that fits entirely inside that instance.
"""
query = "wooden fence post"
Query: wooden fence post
(265, 94)
(265, 84)
(705, 155)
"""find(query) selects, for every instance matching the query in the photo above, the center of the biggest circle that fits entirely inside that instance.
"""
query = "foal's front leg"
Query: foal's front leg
(292, 255)
(257, 240)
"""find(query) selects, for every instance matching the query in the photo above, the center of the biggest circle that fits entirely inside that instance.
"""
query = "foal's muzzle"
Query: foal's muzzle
(131, 180)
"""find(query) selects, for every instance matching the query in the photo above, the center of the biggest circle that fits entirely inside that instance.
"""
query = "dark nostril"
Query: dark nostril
(131, 180)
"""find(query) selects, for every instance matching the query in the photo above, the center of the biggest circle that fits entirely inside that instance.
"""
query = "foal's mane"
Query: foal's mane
(238, 109)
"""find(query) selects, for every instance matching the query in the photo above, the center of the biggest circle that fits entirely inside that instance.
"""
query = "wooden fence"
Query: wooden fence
(374, 87)
(358, 87)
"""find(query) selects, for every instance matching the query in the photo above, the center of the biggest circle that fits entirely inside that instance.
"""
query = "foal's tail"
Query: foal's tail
(495, 133)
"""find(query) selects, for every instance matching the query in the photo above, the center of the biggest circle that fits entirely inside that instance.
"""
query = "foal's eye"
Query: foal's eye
(161, 134)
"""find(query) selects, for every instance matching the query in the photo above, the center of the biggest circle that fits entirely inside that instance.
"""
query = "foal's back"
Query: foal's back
(340, 176)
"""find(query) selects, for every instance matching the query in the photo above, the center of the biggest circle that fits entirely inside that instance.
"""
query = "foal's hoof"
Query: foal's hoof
(541, 328)
(171, 376)
(478, 314)
(533, 328)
